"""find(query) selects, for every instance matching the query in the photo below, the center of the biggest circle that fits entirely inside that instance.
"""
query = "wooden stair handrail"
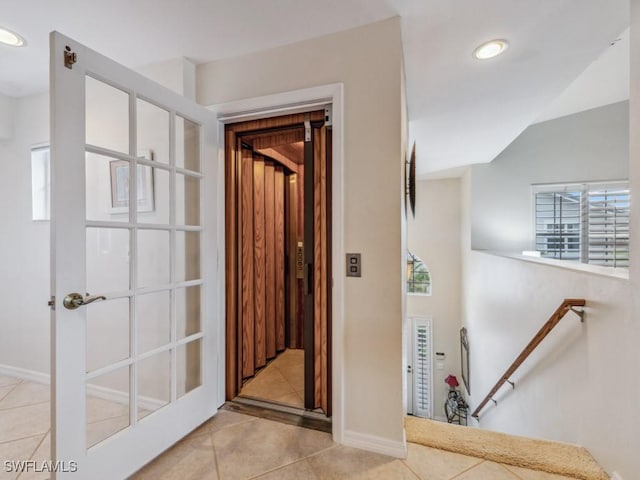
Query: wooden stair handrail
(567, 305)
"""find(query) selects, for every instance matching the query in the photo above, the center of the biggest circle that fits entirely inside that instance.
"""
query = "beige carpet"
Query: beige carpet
(552, 457)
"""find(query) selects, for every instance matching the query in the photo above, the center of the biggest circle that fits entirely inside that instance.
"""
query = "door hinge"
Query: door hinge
(307, 127)
(328, 115)
(69, 57)
(52, 302)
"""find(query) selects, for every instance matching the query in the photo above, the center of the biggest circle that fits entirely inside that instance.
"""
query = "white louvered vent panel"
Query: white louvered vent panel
(422, 368)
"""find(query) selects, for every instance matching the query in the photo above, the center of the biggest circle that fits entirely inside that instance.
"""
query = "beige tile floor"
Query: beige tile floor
(25, 423)
(235, 446)
(282, 380)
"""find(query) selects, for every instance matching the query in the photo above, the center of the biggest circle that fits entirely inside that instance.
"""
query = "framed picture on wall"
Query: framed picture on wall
(120, 186)
(464, 359)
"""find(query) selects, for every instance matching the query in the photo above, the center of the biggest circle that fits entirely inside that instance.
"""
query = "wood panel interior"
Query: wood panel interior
(281, 159)
(294, 243)
(279, 257)
(262, 191)
(247, 275)
(259, 262)
(289, 142)
(270, 259)
(265, 228)
(233, 359)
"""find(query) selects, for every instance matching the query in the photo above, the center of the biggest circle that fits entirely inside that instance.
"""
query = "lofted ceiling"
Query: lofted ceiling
(461, 110)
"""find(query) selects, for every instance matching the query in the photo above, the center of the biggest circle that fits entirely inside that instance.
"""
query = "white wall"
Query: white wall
(368, 61)
(178, 75)
(7, 112)
(583, 147)
(24, 244)
(434, 235)
(580, 385)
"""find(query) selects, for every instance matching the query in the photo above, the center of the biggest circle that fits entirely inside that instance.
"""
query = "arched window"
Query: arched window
(418, 276)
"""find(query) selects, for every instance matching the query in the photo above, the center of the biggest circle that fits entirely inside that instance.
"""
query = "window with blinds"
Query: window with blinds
(558, 221)
(608, 226)
(586, 223)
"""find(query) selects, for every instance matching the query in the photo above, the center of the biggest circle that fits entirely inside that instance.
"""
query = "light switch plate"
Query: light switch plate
(354, 265)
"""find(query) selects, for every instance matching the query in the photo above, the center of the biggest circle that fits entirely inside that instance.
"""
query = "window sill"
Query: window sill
(609, 272)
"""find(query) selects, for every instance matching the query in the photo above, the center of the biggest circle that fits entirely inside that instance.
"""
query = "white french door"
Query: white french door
(134, 266)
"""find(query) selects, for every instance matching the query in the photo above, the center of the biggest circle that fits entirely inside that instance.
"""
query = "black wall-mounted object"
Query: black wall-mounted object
(410, 181)
(354, 265)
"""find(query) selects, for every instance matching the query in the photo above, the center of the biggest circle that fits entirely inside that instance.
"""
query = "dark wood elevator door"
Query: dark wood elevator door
(317, 254)
(321, 268)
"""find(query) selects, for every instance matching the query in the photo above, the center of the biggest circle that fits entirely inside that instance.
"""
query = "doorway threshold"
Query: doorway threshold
(314, 420)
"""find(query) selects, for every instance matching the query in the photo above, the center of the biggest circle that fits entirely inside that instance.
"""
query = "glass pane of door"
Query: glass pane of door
(108, 403)
(140, 268)
(154, 383)
(107, 116)
(187, 144)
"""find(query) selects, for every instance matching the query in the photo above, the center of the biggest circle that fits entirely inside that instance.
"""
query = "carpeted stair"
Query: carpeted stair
(552, 457)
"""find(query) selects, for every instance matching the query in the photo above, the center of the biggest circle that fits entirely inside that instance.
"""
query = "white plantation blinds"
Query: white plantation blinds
(421, 367)
(588, 223)
(608, 226)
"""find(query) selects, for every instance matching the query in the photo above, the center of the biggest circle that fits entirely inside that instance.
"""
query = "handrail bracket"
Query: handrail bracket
(579, 312)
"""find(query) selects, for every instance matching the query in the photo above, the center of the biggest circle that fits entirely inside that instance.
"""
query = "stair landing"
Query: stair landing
(552, 457)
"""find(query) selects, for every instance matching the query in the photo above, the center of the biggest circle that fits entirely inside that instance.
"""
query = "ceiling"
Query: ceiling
(461, 110)
(604, 82)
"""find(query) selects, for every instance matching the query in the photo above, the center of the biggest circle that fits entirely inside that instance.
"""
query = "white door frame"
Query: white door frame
(288, 103)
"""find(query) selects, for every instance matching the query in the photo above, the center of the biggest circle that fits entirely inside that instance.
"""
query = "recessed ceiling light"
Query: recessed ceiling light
(7, 37)
(490, 49)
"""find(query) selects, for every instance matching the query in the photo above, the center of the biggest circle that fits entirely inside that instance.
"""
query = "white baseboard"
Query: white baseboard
(24, 374)
(375, 444)
(117, 396)
(148, 403)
